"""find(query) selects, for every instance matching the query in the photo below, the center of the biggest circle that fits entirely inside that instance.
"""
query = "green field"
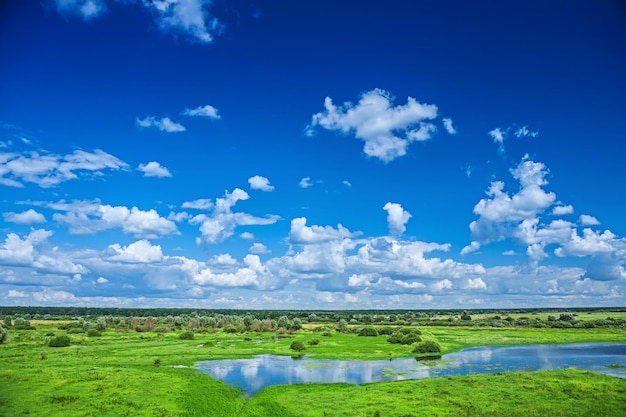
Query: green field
(130, 373)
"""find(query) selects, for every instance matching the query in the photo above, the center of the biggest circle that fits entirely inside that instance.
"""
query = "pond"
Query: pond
(265, 370)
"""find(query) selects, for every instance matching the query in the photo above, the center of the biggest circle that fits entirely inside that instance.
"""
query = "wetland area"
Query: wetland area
(231, 363)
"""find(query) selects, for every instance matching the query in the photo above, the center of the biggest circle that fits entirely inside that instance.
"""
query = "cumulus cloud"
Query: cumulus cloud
(48, 170)
(397, 218)
(203, 111)
(90, 217)
(154, 169)
(221, 223)
(475, 284)
(587, 220)
(301, 234)
(86, 9)
(200, 204)
(141, 251)
(387, 130)
(447, 124)
(260, 183)
(501, 213)
(188, 17)
(305, 182)
(250, 275)
(259, 249)
(34, 251)
(29, 216)
(562, 210)
(164, 124)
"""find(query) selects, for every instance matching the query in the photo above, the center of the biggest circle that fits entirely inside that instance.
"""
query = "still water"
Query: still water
(265, 370)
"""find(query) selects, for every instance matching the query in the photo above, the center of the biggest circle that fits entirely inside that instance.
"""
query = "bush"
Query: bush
(427, 346)
(156, 361)
(61, 340)
(327, 333)
(368, 331)
(3, 335)
(93, 333)
(297, 345)
(188, 335)
(313, 342)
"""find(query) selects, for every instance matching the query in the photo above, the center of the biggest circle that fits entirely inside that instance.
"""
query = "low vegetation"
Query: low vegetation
(101, 364)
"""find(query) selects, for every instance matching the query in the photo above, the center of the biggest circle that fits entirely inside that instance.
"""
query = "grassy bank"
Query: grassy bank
(528, 394)
(148, 374)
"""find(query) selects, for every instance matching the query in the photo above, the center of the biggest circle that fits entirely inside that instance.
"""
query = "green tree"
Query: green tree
(3, 334)
(283, 322)
(296, 324)
(7, 321)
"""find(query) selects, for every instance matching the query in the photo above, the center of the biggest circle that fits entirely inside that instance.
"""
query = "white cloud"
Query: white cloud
(85, 217)
(301, 234)
(16, 294)
(34, 251)
(447, 124)
(247, 236)
(472, 247)
(397, 218)
(587, 220)
(48, 170)
(222, 222)
(250, 275)
(500, 135)
(138, 252)
(387, 130)
(562, 210)
(203, 111)
(102, 280)
(501, 213)
(29, 216)
(87, 9)
(590, 243)
(200, 204)
(189, 17)
(260, 183)
(444, 284)
(164, 124)
(259, 249)
(154, 169)
(305, 182)
(475, 284)
(347, 183)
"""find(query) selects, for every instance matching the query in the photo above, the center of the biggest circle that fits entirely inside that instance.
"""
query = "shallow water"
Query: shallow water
(266, 370)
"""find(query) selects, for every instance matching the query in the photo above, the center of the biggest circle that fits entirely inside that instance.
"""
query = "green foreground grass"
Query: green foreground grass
(116, 375)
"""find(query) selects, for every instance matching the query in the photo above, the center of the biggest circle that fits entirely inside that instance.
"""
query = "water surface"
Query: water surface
(265, 370)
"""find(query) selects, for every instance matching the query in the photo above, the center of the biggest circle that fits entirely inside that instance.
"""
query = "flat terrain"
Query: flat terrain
(128, 373)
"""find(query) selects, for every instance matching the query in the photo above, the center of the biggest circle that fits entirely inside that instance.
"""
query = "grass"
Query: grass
(116, 375)
(545, 393)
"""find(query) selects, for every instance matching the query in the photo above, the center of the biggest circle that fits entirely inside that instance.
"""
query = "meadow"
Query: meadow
(125, 369)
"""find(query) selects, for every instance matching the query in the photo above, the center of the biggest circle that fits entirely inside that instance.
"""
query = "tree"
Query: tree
(7, 321)
(296, 324)
(3, 334)
(283, 322)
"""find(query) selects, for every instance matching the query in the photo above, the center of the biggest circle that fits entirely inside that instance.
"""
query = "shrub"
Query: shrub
(44, 356)
(427, 346)
(327, 333)
(297, 345)
(93, 333)
(386, 330)
(156, 361)
(313, 342)
(410, 338)
(187, 335)
(368, 331)
(75, 330)
(3, 334)
(61, 340)
(230, 329)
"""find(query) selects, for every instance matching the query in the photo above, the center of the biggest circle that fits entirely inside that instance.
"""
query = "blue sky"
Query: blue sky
(312, 155)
